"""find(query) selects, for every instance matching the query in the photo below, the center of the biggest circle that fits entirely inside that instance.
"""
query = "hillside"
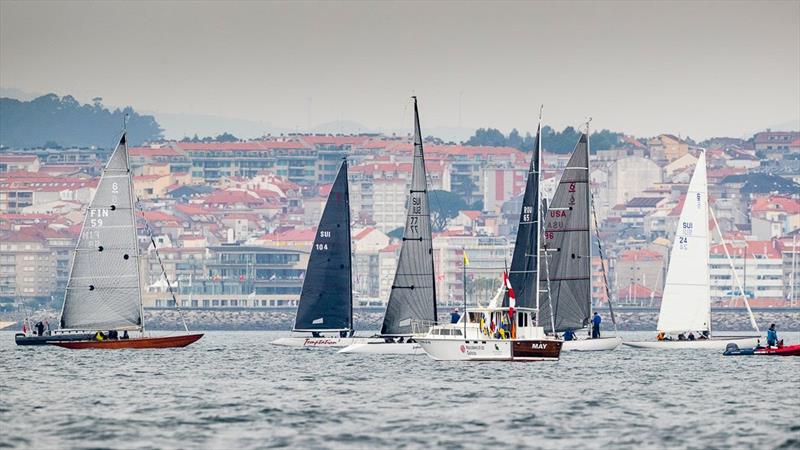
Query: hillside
(66, 122)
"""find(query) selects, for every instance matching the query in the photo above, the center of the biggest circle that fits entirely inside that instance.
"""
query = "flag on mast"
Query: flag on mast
(466, 259)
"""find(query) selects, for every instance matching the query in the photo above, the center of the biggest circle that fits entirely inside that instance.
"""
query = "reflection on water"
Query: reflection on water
(234, 390)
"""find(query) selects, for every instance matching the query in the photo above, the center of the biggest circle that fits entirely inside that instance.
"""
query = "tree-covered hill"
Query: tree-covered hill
(66, 122)
(553, 141)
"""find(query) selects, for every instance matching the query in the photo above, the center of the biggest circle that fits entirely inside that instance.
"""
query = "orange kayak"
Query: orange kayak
(145, 342)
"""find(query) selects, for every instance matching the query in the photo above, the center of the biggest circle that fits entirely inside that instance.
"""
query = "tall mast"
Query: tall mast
(538, 169)
(589, 205)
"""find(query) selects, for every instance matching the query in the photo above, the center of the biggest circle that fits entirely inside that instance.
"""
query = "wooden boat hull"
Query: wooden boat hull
(715, 343)
(592, 345)
(322, 342)
(145, 342)
(385, 348)
(492, 349)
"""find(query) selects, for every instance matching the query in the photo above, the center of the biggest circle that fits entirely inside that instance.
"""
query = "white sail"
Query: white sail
(103, 290)
(685, 305)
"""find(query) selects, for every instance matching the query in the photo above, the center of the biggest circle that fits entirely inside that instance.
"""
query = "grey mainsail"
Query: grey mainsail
(523, 274)
(566, 246)
(103, 290)
(413, 295)
(326, 302)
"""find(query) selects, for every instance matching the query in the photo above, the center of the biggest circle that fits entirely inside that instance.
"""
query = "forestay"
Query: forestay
(685, 305)
(566, 247)
(103, 291)
(413, 295)
(326, 298)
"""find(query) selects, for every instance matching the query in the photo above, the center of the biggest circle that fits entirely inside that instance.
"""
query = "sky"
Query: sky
(696, 69)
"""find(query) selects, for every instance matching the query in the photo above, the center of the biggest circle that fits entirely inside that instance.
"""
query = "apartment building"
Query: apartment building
(759, 266)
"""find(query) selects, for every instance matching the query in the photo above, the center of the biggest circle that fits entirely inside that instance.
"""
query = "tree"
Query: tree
(397, 233)
(444, 206)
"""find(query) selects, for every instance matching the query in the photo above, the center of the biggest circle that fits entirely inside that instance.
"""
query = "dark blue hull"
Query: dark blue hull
(21, 339)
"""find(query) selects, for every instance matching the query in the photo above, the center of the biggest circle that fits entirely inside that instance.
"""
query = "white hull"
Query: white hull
(384, 348)
(715, 343)
(491, 349)
(592, 345)
(322, 342)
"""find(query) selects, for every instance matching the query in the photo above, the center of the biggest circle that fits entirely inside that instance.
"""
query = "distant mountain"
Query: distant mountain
(53, 121)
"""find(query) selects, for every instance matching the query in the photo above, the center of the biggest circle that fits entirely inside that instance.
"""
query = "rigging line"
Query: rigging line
(603, 266)
(163, 269)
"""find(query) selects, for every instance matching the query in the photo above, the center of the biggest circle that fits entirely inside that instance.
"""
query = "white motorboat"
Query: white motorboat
(472, 340)
(686, 302)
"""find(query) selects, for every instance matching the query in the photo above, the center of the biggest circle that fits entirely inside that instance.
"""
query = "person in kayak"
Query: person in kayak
(772, 336)
(596, 325)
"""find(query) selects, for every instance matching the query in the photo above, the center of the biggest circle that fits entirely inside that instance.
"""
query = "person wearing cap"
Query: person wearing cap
(772, 336)
(455, 316)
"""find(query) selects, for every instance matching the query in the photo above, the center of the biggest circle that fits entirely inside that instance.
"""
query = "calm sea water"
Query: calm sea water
(234, 390)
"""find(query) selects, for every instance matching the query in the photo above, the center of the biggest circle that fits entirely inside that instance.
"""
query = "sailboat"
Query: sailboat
(476, 337)
(104, 286)
(566, 277)
(686, 302)
(411, 308)
(326, 301)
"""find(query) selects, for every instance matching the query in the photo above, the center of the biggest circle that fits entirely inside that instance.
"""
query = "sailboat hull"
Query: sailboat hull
(715, 343)
(492, 349)
(592, 345)
(322, 342)
(385, 348)
(138, 343)
(22, 339)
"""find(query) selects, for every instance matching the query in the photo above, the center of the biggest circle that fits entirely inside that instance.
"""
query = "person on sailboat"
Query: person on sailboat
(569, 335)
(596, 325)
(455, 316)
(39, 328)
(772, 336)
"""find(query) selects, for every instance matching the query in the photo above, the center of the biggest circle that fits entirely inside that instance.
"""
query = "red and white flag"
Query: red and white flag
(512, 301)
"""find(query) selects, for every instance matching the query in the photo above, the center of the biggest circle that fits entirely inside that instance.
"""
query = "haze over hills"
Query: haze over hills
(29, 119)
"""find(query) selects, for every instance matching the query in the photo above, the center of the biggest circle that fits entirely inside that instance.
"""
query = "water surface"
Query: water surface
(234, 390)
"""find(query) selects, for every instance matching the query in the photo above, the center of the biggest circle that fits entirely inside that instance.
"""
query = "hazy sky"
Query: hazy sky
(694, 68)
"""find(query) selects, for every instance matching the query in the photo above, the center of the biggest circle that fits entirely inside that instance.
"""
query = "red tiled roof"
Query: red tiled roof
(363, 233)
(754, 249)
(471, 214)
(639, 255)
(293, 235)
(220, 197)
(636, 290)
(158, 216)
(18, 158)
(159, 152)
(776, 203)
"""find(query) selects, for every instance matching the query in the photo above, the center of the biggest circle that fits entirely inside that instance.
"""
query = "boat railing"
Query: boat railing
(421, 326)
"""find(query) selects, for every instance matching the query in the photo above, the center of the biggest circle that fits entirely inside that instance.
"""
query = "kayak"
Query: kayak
(786, 350)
